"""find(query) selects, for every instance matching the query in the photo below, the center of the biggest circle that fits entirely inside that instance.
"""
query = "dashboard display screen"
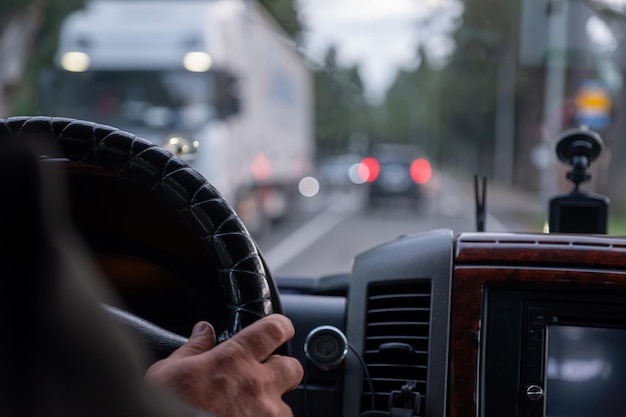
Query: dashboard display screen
(585, 372)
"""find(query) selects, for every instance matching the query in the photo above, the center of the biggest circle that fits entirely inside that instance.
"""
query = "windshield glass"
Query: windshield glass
(159, 99)
(293, 106)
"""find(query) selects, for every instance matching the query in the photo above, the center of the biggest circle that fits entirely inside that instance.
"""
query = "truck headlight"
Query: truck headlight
(75, 61)
(182, 146)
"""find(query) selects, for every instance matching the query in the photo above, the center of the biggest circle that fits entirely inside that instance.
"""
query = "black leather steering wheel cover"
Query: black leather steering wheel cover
(249, 290)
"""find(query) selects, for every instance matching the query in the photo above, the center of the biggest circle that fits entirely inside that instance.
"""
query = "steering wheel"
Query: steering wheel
(247, 287)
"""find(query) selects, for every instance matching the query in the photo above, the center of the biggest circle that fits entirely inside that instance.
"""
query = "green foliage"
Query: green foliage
(53, 12)
(7, 7)
(470, 85)
(450, 112)
(617, 225)
(342, 115)
(409, 108)
(286, 14)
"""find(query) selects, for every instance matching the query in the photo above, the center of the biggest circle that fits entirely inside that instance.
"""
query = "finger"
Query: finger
(262, 337)
(287, 372)
(202, 339)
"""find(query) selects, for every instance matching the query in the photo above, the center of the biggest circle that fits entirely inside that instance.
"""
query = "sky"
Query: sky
(380, 36)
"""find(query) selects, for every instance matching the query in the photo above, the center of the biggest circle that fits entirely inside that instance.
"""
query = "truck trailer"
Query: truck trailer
(217, 82)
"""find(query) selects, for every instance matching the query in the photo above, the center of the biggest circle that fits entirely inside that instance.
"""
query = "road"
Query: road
(328, 230)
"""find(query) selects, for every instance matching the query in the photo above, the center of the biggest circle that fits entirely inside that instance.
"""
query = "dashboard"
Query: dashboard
(474, 322)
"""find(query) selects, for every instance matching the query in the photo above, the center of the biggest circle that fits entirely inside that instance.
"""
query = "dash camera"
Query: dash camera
(578, 211)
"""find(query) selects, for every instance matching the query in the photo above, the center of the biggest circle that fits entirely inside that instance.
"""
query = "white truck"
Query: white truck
(216, 81)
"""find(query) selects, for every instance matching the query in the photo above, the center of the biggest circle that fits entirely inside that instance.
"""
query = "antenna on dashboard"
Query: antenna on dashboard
(480, 196)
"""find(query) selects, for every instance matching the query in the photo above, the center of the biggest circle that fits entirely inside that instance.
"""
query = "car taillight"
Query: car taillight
(369, 168)
(421, 172)
(261, 167)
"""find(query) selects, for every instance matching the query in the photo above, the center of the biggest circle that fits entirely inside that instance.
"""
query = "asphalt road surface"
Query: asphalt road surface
(325, 232)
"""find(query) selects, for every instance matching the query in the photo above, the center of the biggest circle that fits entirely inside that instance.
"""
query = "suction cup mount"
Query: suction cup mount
(578, 148)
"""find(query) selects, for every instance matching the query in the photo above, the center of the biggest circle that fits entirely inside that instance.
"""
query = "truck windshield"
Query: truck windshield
(155, 99)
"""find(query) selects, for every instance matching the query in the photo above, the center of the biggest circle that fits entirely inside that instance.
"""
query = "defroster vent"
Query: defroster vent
(396, 339)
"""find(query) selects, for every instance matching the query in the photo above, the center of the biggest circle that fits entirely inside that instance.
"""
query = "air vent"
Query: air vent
(396, 313)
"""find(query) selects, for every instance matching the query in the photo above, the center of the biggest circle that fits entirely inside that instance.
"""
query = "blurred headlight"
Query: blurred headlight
(182, 146)
(197, 61)
(75, 61)
(357, 173)
(309, 186)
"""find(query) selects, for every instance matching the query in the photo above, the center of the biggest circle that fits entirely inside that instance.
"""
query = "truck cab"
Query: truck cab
(195, 79)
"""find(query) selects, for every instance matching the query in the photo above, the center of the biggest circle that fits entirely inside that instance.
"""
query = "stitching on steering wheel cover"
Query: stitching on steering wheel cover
(249, 290)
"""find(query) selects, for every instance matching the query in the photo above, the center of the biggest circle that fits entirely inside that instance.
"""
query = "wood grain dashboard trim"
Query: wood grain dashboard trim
(589, 263)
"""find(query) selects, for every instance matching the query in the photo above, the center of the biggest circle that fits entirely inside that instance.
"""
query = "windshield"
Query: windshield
(289, 104)
(157, 99)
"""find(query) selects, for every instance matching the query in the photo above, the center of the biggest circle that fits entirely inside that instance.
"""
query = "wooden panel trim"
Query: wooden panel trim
(541, 250)
(529, 261)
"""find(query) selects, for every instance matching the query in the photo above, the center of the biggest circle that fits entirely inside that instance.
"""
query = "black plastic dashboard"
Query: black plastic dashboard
(398, 298)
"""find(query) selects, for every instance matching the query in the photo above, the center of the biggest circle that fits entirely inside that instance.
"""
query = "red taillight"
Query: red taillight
(369, 168)
(421, 172)
(261, 167)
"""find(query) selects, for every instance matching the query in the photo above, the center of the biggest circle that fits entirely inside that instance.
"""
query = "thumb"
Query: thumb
(202, 339)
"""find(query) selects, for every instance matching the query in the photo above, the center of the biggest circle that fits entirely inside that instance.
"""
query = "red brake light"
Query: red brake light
(421, 172)
(261, 167)
(369, 168)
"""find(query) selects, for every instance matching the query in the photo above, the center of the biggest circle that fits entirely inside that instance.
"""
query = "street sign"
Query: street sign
(593, 105)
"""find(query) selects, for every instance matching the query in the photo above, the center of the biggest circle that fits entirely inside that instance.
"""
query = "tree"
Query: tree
(341, 111)
(408, 108)
(469, 107)
(38, 22)
(450, 110)
(286, 14)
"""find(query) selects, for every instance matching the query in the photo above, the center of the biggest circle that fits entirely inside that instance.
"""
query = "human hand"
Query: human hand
(239, 377)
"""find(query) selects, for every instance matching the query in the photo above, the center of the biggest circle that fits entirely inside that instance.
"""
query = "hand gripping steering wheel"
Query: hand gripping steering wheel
(248, 288)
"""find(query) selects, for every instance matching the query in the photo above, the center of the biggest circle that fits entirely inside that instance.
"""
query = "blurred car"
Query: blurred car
(397, 171)
(336, 171)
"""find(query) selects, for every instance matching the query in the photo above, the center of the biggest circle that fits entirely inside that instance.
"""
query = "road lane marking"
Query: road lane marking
(303, 237)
